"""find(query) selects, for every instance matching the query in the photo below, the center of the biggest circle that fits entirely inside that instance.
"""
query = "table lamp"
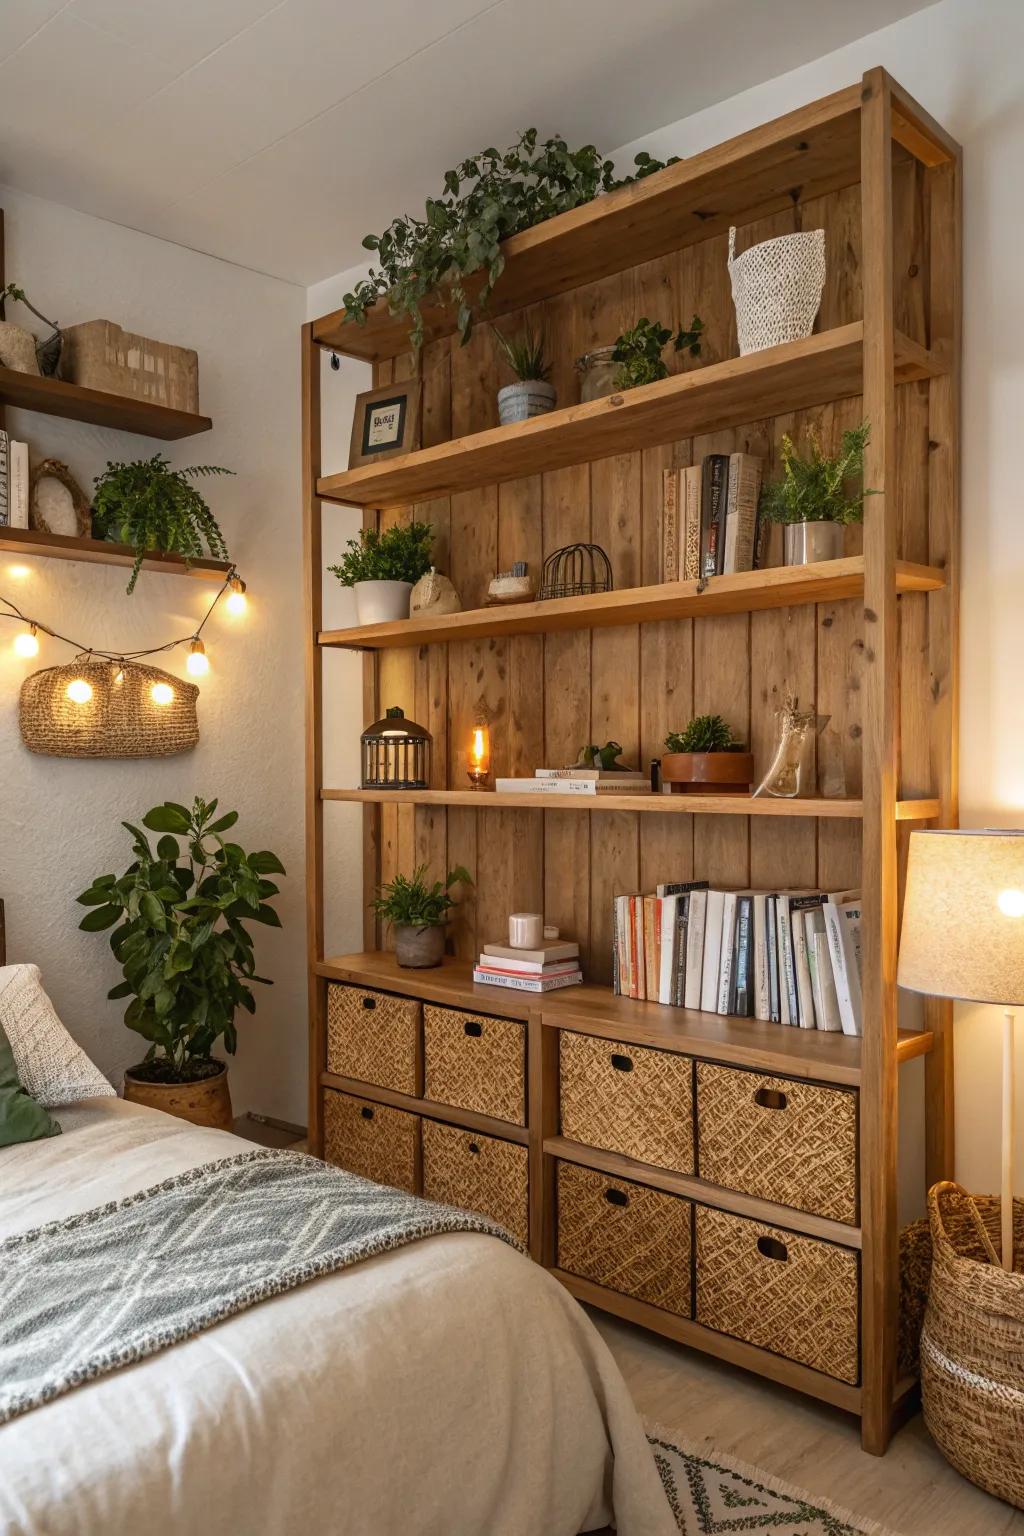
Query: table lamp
(963, 937)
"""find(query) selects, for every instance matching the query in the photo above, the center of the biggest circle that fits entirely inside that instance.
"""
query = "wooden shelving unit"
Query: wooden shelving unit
(53, 397)
(57, 546)
(870, 639)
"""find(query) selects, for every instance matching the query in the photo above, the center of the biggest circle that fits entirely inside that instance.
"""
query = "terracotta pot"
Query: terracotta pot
(206, 1102)
(708, 773)
(419, 948)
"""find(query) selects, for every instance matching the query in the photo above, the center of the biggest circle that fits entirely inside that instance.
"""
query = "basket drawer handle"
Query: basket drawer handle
(616, 1196)
(471, 1027)
(474, 1146)
(369, 1002)
(773, 1249)
(621, 1063)
(366, 1112)
(771, 1098)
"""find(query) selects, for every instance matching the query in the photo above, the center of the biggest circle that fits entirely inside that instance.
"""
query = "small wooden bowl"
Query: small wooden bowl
(717, 773)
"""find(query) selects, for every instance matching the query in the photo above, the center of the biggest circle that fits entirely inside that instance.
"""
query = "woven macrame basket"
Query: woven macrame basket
(372, 1036)
(475, 1062)
(972, 1346)
(628, 1099)
(119, 720)
(478, 1173)
(373, 1140)
(777, 287)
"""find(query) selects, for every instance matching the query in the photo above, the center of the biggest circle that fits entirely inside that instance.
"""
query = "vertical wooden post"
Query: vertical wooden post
(878, 1099)
(313, 582)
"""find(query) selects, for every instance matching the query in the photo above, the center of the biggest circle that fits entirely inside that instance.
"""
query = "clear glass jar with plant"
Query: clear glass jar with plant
(383, 567)
(533, 394)
(705, 757)
(152, 507)
(418, 914)
(817, 496)
(635, 357)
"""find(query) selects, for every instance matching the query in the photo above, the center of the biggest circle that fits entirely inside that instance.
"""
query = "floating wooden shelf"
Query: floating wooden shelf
(746, 592)
(820, 368)
(56, 546)
(53, 397)
(666, 805)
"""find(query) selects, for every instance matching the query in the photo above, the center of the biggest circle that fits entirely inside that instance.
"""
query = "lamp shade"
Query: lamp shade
(963, 916)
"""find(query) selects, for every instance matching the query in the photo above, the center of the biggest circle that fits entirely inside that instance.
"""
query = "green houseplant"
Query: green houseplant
(532, 394)
(418, 914)
(185, 952)
(151, 506)
(814, 499)
(638, 351)
(383, 568)
(705, 757)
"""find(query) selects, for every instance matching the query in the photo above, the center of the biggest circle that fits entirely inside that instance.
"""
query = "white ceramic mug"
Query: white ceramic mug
(526, 930)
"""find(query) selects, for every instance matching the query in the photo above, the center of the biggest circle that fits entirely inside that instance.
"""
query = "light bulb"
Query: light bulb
(79, 691)
(162, 693)
(198, 663)
(1011, 903)
(236, 599)
(26, 643)
(19, 572)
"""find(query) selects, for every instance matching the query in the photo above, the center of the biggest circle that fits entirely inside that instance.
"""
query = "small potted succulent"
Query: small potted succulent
(418, 914)
(383, 568)
(634, 358)
(706, 758)
(532, 394)
(811, 500)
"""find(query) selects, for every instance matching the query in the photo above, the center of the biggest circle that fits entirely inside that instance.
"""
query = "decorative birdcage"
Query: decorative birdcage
(576, 570)
(395, 753)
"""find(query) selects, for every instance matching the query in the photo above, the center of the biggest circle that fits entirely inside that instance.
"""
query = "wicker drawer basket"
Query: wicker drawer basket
(372, 1036)
(475, 1062)
(628, 1099)
(794, 1295)
(625, 1236)
(372, 1139)
(791, 1142)
(478, 1173)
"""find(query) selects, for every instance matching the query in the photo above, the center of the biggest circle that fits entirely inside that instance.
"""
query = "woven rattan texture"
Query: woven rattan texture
(640, 1248)
(118, 719)
(789, 1142)
(628, 1099)
(478, 1173)
(371, 1139)
(372, 1036)
(777, 287)
(803, 1305)
(915, 1273)
(475, 1062)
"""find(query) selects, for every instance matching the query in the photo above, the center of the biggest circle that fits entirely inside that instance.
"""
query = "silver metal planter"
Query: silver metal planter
(518, 402)
(807, 543)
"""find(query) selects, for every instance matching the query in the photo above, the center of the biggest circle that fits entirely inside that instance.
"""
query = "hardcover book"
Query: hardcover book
(690, 523)
(670, 525)
(714, 500)
(741, 514)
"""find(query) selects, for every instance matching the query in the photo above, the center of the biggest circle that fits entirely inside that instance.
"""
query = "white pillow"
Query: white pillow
(52, 1068)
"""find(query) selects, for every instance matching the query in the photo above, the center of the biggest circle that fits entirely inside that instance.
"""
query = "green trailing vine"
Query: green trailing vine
(150, 506)
(638, 351)
(814, 489)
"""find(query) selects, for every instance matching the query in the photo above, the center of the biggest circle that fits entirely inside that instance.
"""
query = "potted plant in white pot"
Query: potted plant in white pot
(383, 568)
(185, 952)
(812, 500)
(532, 394)
(418, 914)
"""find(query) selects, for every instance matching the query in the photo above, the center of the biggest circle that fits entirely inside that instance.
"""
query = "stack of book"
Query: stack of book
(13, 482)
(529, 970)
(787, 957)
(577, 781)
(709, 520)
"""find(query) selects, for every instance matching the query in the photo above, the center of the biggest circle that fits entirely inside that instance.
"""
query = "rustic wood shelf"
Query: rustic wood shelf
(781, 586)
(820, 368)
(56, 546)
(53, 397)
(659, 805)
(468, 1119)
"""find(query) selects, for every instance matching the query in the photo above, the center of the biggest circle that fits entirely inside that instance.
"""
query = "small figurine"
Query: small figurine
(605, 758)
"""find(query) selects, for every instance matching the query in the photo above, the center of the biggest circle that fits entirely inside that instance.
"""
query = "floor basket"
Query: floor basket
(777, 287)
(972, 1346)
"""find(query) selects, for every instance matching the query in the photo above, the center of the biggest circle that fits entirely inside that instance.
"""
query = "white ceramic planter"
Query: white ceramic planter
(530, 397)
(809, 542)
(17, 348)
(380, 602)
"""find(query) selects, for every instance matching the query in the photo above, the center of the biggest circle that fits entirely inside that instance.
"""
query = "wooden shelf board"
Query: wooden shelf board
(451, 983)
(684, 1330)
(53, 397)
(825, 367)
(56, 546)
(658, 805)
(780, 586)
(468, 1119)
(692, 1188)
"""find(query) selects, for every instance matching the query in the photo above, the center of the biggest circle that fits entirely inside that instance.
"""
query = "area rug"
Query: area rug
(715, 1495)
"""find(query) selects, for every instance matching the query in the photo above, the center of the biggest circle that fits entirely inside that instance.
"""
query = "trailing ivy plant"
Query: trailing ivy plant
(814, 489)
(181, 941)
(638, 351)
(151, 506)
(486, 198)
(705, 733)
(397, 554)
(406, 902)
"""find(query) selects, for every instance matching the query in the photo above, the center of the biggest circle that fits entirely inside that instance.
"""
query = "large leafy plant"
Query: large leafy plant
(486, 198)
(409, 902)
(814, 489)
(638, 351)
(150, 506)
(397, 554)
(705, 733)
(181, 940)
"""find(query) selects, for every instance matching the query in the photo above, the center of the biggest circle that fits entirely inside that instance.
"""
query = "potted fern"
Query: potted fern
(151, 506)
(383, 568)
(706, 758)
(532, 394)
(812, 499)
(418, 914)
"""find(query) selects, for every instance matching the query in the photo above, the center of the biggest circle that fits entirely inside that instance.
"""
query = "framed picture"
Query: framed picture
(386, 422)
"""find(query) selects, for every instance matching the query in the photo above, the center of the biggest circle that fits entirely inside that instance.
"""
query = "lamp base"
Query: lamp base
(477, 778)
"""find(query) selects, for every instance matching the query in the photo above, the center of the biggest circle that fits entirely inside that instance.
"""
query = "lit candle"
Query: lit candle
(479, 756)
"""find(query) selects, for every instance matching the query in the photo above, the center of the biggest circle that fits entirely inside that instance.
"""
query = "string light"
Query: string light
(79, 691)
(198, 663)
(162, 693)
(237, 599)
(27, 643)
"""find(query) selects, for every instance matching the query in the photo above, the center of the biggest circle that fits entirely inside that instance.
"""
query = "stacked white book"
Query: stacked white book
(529, 970)
(14, 482)
(577, 781)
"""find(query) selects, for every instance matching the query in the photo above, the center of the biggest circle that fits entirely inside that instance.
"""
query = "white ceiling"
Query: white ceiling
(277, 134)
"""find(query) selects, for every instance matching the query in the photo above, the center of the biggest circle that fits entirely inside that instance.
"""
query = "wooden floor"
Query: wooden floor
(912, 1490)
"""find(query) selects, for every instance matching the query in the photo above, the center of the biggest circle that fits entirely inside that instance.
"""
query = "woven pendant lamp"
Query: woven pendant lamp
(91, 708)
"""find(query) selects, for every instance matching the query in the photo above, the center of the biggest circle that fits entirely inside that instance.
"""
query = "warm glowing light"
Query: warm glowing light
(26, 644)
(119, 677)
(479, 756)
(236, 598)
(198, 663)
(1011, 903)
(19, 572)
(162, 693)
(79, 691)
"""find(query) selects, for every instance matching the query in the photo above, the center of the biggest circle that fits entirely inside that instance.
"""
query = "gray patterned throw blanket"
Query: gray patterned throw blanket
(84, 1296)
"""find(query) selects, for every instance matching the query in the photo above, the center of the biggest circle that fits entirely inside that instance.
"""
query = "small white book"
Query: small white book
(526, 983)
(787, 977)
(842, 924)
(5, 480)
(712, 952)
(18, 507)
(545, 786)
(741, 513)
(696, 917)
(762, 1001)
(668, 906)
(545, 954)
(826, 1004)
(726, 953)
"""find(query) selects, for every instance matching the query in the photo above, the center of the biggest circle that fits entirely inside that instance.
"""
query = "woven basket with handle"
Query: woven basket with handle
(777, 287)
(119, 718)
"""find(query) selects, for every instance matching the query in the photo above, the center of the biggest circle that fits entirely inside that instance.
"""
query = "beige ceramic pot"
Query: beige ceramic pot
(207, 1102)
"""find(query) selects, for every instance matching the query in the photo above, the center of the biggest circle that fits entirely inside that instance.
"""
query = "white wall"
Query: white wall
(60, 819)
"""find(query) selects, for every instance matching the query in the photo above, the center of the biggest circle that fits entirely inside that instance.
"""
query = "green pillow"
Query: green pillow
(21, 1118)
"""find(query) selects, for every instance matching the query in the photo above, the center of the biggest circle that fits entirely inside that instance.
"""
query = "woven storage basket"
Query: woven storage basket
(776, 287)
(120, 719)
(790, 1142)
(793, 1295)
(625, 1236)
(627, 1099)
(372, 1139)
(479, 1173)
(475, 1062)
(972, 1347)
(372, 1036)
(915, 1273)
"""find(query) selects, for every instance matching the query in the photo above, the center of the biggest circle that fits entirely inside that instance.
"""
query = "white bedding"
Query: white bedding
(452, 1388)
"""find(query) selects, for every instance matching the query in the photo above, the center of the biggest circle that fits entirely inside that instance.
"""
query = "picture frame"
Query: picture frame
(386, 422)
(57, 503)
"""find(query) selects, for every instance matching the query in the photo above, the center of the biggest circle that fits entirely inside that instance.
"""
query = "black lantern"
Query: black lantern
(575, 570)
(396, 753)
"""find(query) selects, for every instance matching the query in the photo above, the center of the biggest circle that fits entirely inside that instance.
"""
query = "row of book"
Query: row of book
(787, 957)
(577, 781)
(546, 969)
(709, 521)
(13, 482)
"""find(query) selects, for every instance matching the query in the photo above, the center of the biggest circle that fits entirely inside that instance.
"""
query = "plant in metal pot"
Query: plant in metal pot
(532, 394)
(186, 955)
(817, 495)
(151, 506)
(383, 567)
(418, 913)
(706, 757)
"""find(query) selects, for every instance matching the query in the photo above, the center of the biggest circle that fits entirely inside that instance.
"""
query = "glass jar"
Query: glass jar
(597, 371)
